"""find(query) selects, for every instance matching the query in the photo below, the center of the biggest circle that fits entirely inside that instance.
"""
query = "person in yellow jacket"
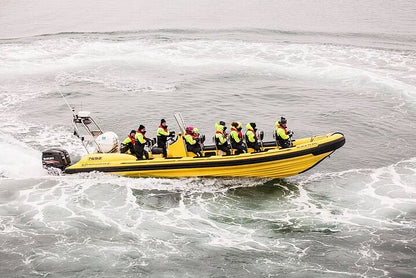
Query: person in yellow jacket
(251, 137)
(128, 143)
(236, 138)
(192, 141)
(283, 135)
(141, 141)
(162, 135)
(221, 137)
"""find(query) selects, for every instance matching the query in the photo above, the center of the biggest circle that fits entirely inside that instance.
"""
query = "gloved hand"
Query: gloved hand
(172, 133)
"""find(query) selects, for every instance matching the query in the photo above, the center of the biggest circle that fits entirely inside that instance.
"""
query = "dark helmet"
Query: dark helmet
(162, 121)
(234, 124)
(253, 125)
(282, 120)
(140, 127)
(132, 131)
(222, 123)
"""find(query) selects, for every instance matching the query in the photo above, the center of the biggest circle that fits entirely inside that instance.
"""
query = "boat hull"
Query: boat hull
(273, 163)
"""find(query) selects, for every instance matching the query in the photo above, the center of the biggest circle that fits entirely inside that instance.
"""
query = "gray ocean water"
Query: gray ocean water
(347, 66)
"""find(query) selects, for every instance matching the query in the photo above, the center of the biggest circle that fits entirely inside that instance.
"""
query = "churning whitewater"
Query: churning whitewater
(354, 215)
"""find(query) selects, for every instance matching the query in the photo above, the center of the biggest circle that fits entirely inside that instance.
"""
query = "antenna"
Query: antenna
(69, 106)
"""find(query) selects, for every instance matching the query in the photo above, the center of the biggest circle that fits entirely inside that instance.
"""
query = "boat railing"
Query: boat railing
(87, 129)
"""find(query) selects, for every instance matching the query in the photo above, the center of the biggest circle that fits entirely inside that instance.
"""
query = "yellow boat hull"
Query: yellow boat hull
(271, 163)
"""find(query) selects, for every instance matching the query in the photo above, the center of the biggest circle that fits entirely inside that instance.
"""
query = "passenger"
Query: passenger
(128, 143)
(197, 137)
(196, 132)
(282, 134)
(192, 141)
(162, 136)
(236, 138)
(221, 137)
(251, 137)
(141, 140)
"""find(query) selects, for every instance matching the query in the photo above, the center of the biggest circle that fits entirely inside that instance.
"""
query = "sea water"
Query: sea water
(347, 66)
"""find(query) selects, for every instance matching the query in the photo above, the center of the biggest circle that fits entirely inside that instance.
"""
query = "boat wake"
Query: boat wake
(14, 155)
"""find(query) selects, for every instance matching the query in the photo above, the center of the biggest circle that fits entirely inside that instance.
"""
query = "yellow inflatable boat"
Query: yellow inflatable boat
(271, 162)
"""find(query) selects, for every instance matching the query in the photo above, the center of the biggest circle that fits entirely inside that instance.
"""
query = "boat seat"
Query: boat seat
(209, 148)
(96, 132)
(210, 153)
(156, 150)
(270, 144)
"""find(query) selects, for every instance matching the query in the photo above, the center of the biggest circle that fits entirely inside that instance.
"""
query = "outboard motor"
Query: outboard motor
(55, 158)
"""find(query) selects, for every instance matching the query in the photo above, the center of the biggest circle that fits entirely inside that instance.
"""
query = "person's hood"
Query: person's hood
(278, 124)
(219, 127)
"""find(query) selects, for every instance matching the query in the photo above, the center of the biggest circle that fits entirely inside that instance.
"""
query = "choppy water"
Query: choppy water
(354, 215)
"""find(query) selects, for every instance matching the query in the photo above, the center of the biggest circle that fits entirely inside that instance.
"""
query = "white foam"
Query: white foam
(353, 66)
(106, 208)
(118, 83)
(363, 197)
(18, 160)
(15, 92)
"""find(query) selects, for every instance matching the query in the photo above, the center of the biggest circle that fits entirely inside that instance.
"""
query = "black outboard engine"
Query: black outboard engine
(55, 158)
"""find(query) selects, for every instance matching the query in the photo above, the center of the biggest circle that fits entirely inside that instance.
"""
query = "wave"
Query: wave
(30, 69)
(22, 142)
(382, 196)
(17, 160)
(353, 66)
(233, 32)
